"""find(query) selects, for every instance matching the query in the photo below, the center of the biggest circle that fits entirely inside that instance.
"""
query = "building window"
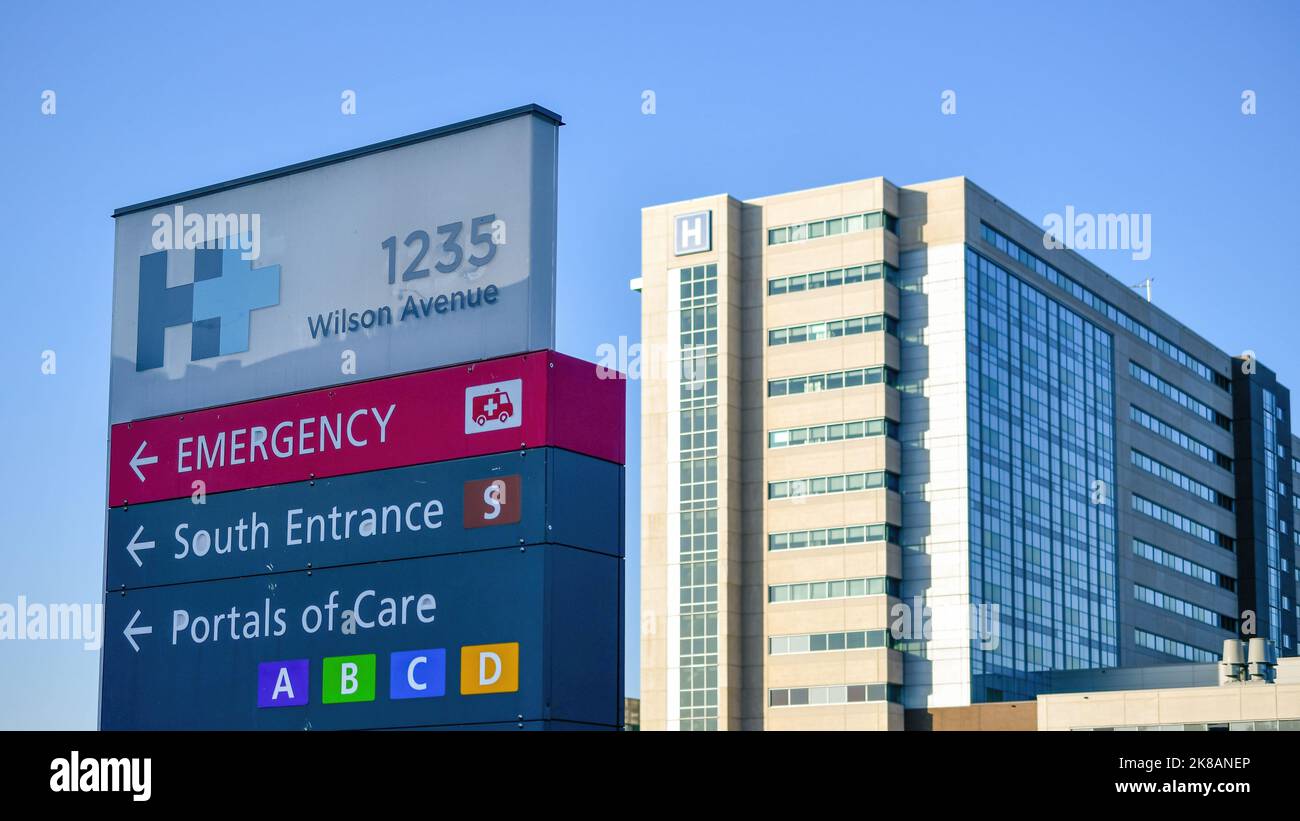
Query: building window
(826, 485)
(1185, 566)
(832, 381)
(1273, 487)
(1233, 726)
(833, 694)
(829, 642)
(1090, 298)
(852, 224)
(1191, 445)
(1175, 394)
(698, 521)
(1184, 608)
(1041, 431)
(833, 329)
(836, 432)
(832, 537)
(836, 589)
(1177, 520)
(1172, 647)
(1181, 480)
(831, 278)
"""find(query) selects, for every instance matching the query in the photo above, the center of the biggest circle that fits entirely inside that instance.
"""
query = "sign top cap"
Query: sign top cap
(397, 142)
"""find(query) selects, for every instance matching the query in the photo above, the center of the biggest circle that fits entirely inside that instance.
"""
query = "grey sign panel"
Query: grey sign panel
(413, 254)
(461, 505)
(518, 635)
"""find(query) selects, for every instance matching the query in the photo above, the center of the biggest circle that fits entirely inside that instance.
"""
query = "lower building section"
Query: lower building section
(1188, 697)
(1006, 716)
(1179, 697)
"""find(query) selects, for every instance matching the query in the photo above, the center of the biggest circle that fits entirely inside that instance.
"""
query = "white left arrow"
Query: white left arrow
(132, 631)
(134, 547)
(137, 460)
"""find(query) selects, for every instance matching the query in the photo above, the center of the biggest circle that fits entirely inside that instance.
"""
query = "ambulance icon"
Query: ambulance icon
(494, 406)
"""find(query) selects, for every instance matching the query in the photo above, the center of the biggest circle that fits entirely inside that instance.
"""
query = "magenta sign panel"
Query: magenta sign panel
(534, 400)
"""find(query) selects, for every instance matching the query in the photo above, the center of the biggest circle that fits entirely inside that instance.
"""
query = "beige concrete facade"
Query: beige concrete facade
(1181, 706)
(745, 568)
(1230, 706)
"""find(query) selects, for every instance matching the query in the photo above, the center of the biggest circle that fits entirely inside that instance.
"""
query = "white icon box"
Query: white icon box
(494, 406)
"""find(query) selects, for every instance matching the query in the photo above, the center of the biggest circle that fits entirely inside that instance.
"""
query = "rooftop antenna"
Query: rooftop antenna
(1145, 284)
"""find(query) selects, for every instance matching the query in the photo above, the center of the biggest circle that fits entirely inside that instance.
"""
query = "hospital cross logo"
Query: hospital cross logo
(216, 306)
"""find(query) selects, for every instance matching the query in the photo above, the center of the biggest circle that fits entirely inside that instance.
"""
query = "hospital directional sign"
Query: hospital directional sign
(516, 498)
(517, 402)
(350, 483)
(531, 636)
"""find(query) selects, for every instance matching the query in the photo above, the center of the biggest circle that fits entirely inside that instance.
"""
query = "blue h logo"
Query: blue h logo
(225, 291)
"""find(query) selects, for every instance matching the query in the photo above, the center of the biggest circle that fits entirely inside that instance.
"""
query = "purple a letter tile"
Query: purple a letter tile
(282, 683)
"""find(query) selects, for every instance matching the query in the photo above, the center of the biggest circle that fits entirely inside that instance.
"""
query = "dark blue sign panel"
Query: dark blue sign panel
(515, 636)
(521, 497)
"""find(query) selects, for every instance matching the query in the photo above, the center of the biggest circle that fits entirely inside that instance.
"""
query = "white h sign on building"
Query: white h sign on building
(692, 233)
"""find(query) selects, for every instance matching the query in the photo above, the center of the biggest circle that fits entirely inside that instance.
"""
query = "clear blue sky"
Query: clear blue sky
(1112, 107)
